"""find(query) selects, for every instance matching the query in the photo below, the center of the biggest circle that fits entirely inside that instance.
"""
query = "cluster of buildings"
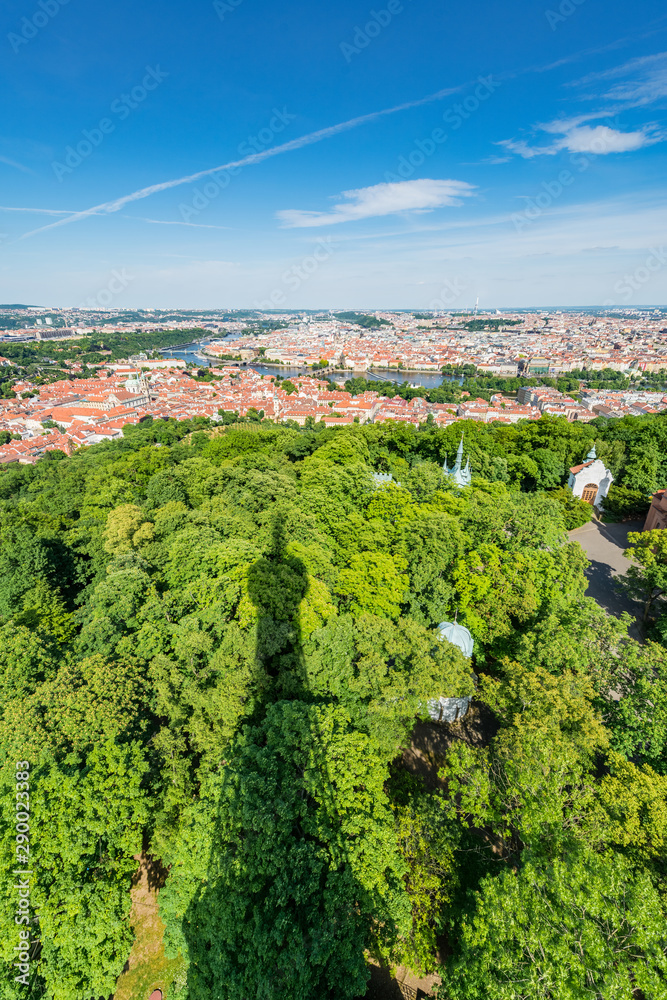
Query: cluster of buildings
(72, 413)
(593, 402)
(509, 344)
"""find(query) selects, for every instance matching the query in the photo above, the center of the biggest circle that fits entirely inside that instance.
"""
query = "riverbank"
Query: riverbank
(347, 372)
(429, 380)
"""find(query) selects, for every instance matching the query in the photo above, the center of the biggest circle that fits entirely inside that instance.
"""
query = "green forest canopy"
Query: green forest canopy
(362, 319)
(215, 646)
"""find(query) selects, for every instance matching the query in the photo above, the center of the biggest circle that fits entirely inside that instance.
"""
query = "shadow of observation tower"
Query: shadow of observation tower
(282, 913)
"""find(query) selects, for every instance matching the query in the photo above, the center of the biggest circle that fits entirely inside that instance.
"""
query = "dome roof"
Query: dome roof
(458, 635)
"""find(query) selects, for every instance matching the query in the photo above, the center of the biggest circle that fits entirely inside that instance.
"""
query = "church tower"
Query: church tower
(462, 477)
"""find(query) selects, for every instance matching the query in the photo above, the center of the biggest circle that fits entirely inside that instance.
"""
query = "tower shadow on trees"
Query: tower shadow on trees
(282, 913)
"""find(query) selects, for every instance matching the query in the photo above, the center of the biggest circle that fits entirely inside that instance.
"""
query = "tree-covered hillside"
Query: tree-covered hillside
(215, 647)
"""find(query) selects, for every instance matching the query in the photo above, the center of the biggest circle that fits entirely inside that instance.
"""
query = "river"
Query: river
(429, 380)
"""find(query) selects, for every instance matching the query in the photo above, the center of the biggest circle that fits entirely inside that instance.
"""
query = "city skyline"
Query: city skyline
(419, 158)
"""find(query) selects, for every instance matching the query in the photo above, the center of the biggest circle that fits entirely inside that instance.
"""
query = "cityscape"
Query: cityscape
(51, 410)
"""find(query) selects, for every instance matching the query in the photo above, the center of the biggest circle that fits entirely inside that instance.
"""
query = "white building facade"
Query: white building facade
(590, 481)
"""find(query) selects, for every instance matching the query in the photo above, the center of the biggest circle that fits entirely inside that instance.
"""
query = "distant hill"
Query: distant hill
(362, 319)
(16, 305)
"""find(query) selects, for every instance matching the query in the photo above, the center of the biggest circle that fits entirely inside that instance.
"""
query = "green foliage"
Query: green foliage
(575, 512)
(362, 319)
(427, 843)
(374, 582)
(87, 813)
(567, 929)
(625, 502)
(647, 578)
(298, 870)
(638, 719)
(216, 645)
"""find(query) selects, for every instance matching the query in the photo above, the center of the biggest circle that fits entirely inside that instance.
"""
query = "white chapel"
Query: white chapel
(591, 480)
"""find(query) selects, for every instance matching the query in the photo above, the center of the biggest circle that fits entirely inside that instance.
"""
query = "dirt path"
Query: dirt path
(148, 968)
(403, 986)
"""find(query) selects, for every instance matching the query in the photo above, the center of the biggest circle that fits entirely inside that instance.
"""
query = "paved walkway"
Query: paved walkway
(605, 544)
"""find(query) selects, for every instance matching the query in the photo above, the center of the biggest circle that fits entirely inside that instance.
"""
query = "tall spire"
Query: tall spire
(459, 457)
(462, 477)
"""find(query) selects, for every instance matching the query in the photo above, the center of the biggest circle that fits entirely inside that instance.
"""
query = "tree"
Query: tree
(126, 529)
(575, 512)
(625, 502)
(374, 582)
(87, 815)
(494, 589)
(217, 646)
(561, 929)
(279, 895)
(426, 840)
(648, 578)
(637, 716)
(641, 468)
(551, 468)
(383, 672)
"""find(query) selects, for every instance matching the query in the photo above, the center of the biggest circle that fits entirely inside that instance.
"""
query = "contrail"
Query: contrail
(40, 211)
(13, 163)
(109, 207)
(175, 222)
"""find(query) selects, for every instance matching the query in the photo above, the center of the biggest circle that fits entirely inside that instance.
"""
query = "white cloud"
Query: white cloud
(601, 139)
(383, 199)
(641, 81)
(634, 84)
(117, 204)
(574, 137)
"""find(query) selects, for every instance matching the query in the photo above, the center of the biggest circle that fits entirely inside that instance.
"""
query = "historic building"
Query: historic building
(657, 514)
(462, 477)
(591, 480)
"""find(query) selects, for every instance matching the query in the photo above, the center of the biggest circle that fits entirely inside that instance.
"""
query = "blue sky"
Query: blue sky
(405, 154)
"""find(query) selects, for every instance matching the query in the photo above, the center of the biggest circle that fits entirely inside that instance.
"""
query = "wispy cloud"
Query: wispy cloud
(641, 81)
(17, 166)
(38, 211)
(574, 136)
(634, 84)
(109, 207)
(382, 199)
(492, 160)
(174, 222)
